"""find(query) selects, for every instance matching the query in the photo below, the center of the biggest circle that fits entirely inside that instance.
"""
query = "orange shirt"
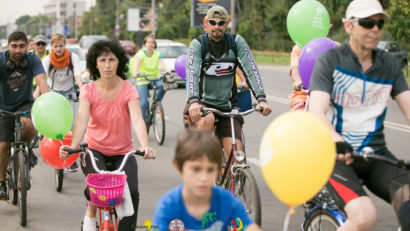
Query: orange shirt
(109, 126)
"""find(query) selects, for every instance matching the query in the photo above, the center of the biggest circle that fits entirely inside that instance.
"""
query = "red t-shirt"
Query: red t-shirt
(109, 126)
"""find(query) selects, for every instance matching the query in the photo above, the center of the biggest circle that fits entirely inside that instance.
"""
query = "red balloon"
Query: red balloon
(49, 149)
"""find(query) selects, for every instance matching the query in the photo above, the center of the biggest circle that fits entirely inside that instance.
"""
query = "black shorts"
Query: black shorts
(7, 123)
(223, 124)
(347, 181)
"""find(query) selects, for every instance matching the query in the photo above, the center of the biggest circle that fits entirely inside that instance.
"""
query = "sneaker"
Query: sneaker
(32, 158)
(73, 167)
(3, 190)
(89, 224)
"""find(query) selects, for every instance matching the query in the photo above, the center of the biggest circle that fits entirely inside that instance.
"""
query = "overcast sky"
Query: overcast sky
(10, 10)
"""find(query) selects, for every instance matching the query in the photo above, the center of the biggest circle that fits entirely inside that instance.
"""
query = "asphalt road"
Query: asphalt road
(50, 210)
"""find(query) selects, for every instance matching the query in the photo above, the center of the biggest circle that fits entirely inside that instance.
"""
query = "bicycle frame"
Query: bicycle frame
(109, 219)
(232, 160)
(338, 214)
(19, 178)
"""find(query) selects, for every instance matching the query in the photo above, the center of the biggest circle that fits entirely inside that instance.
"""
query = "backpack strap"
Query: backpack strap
(232, 43)
(204, 44)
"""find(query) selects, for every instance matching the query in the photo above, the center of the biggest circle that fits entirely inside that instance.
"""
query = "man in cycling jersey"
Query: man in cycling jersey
(349, 87)
(212, 60)
(17, 70)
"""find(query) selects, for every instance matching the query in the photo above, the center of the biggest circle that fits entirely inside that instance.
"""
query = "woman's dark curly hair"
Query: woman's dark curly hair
(104, 46)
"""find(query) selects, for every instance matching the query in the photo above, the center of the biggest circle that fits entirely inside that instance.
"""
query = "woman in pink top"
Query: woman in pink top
(108, 108)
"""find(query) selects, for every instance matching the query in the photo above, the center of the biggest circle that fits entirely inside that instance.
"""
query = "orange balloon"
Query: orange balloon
(49, 149)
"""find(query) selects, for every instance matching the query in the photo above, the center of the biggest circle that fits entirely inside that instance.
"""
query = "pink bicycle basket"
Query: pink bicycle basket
(106, 189)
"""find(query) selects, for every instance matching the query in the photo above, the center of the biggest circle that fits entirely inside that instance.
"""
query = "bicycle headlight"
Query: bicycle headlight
(240, 156)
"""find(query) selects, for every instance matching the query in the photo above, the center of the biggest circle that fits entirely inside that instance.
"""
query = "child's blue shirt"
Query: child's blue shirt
(226, 211)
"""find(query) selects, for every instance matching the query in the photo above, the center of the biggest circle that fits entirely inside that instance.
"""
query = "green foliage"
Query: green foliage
(22, 20)
(32, 25)
(399, 24)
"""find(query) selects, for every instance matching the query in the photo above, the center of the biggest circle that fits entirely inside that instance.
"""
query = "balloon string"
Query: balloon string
(287, 218)
(61, 142)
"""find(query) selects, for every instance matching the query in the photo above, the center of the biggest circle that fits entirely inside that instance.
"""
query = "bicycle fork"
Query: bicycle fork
(108, 224)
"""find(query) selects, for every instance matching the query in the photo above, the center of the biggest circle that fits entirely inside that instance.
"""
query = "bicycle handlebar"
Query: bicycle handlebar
(72, 98)
(84, 148)
(369, 155)
(167, 77)
(233, 112)
(14, 114)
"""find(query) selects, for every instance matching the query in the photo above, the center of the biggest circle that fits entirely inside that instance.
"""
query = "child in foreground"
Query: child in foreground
(198, 203)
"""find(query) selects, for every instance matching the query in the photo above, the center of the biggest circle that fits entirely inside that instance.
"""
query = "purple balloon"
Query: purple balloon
(179, 66)
(309, 55)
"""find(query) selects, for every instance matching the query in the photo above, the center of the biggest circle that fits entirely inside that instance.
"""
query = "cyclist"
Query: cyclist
(211, 65)
(17, 70)
(146, 61)
(63, 69)
(41, 51)
(198, 203)
(349, 87)
(107, 110)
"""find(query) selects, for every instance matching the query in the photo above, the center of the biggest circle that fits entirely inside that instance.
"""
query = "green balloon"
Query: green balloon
(52, 115)
(307, 19)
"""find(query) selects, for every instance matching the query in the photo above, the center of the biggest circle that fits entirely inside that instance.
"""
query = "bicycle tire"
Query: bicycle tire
(13, 173)
(23, 186)
(59, 178)
(246, 189)
(221, 171)
(322, 220)
(158, 122)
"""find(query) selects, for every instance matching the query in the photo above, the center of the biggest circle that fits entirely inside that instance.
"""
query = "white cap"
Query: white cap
(364, 9)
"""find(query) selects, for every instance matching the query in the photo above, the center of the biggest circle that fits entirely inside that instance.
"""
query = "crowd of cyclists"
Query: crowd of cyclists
(353, 69)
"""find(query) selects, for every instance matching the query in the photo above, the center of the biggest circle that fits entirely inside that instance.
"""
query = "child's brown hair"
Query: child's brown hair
(196, 143)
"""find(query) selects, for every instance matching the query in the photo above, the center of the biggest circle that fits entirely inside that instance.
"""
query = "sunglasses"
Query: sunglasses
(213, 22)
(369, 23)
(40, 44)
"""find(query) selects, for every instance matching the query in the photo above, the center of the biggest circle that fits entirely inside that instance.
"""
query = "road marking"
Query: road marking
(387, 124)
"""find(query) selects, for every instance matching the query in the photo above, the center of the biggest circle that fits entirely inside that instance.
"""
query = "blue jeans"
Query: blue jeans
(143, 94)
(73, 104)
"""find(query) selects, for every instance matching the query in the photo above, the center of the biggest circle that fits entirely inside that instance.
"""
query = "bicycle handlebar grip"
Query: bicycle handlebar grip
(74, 150)
(139, 153)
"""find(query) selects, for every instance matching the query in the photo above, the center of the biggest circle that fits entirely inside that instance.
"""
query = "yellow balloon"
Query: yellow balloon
(297, 154)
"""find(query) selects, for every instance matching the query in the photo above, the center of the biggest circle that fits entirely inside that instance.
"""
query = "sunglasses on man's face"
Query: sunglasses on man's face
(40, 44)
(369, 23)
(213, 22)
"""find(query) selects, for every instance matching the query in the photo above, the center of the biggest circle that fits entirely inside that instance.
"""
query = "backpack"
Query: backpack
(205, 47)
(70, 67)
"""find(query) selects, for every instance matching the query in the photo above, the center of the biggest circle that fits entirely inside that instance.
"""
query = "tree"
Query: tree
(398, 27)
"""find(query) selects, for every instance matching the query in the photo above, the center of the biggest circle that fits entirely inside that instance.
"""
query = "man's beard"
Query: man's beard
(217, 35)
(17, 56)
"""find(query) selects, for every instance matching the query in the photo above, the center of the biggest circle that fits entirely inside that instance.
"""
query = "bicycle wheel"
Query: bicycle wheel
(23, 186)
(158, 122)
(221, 171)
(12, 179)
(59, 179)
(322, 220)
(246, 189)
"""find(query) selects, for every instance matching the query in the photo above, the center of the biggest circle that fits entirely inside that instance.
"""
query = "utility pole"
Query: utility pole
(233, 16)
(153, 23)
(117, 19)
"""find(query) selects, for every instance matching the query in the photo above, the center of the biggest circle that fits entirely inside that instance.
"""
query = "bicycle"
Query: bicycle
(18, 169)
(59, 173)
(106, 189)
(155, 112)
(235, 174)
(323, 214)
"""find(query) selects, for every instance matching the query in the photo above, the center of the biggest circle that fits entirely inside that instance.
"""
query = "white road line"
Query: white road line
(387, 124)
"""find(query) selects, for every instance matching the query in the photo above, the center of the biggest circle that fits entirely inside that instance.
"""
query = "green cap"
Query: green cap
(223, 14)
